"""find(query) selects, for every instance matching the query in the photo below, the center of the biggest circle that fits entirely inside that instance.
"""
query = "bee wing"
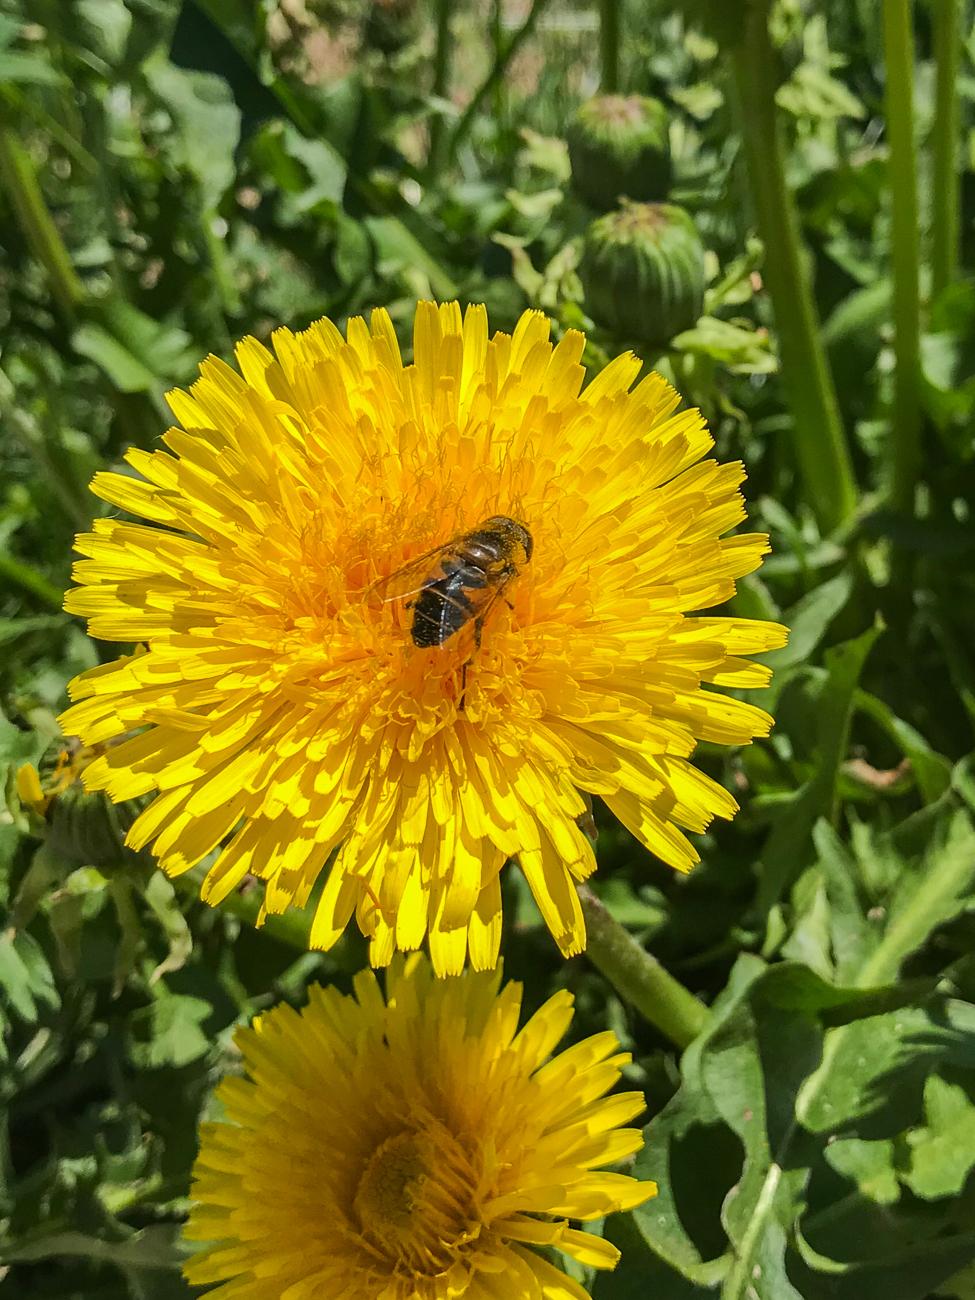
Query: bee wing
(408, 580)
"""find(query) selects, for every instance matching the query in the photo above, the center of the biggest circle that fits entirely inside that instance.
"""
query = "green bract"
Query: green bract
(619, 147)
(642, 270)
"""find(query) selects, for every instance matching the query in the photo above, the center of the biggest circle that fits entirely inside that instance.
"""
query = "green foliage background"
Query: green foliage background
(218, 167)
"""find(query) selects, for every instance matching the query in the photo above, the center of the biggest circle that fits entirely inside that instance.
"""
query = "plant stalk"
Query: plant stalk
(442, 61)
(820, 441)
(23, 191)
(945, 139)
(905, 433)
(500, 66)
(639, 978)
(609, 46)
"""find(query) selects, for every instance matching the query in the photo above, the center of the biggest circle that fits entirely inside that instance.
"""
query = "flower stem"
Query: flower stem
(639, 978)
(609, 46)
(500, 66)
(442, 61)
(23, 190)
(946, 217)
(820, 442)
(899, 101)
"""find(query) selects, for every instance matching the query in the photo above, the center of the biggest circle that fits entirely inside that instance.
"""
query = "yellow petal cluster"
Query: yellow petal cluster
(278, 697)
(417, 1148)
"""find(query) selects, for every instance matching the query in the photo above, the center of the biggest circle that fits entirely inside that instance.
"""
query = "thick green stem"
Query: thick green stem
(500, 66)
(905, 247)
(639, 978)
(945, 139)
(609, 46)
(23, 192)
(442, 60)
(820, 442)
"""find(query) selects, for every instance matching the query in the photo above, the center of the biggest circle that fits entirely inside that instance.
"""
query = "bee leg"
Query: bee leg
(463, 672)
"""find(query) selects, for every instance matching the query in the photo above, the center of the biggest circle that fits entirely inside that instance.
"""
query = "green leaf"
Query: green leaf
(746, 351)
(943, 1152)
(931, 770)
(25, 976)
(325, 169)
(168, 1033)
(126, 372)
(136, 352)
(161, 897)
(641, 1272)
(400, 251)
(808, 621)
(208, 123)
(870, 1164)
(32, 69)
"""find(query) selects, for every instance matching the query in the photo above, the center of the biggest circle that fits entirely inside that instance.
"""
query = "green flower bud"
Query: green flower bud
(642, 270)
(619, 148)
(83, 829)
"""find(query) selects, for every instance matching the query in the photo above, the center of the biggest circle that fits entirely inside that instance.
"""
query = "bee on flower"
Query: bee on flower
(414, 616)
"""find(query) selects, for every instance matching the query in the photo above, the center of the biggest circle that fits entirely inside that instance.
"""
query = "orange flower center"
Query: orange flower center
(416, 1200)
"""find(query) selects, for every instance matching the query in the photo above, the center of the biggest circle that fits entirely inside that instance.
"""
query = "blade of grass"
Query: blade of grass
(23, 192)
(18, 574)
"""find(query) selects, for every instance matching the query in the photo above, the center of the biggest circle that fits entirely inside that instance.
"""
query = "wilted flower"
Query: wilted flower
(292, 700)
(412, 1149)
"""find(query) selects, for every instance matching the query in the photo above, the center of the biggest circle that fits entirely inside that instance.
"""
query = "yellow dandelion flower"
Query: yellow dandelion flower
(303, 690)
(412, 1149)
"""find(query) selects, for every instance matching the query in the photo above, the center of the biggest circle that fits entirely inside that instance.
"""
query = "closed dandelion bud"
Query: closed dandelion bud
(619, 147)
(83, 829)
(642, 270)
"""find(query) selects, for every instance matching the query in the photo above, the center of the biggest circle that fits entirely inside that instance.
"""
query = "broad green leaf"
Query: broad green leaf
(857, 1055)
(641, 1271)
